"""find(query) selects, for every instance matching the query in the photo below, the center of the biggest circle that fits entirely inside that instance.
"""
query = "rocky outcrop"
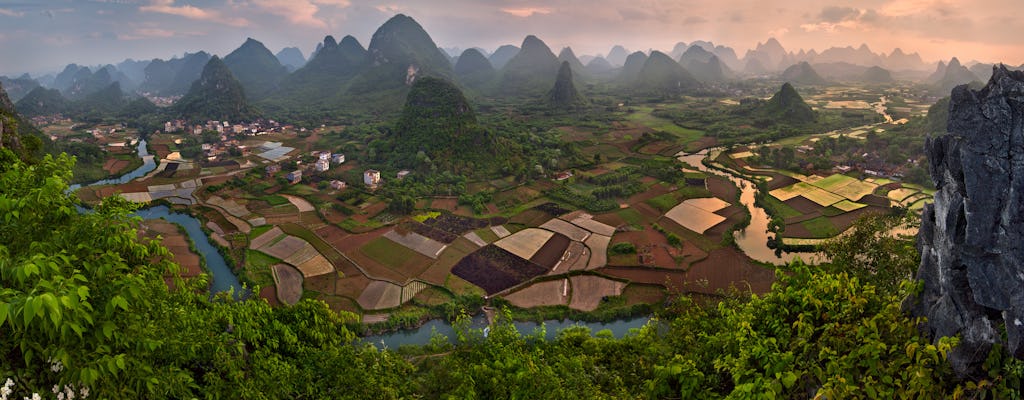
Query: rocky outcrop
(972, 239)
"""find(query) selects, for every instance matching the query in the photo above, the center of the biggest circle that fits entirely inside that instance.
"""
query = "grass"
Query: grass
(259, 230)
(834, 182)
(257, 266)
(388, 253)
(631, 216)
(426, 216)
(644, 117)
(487, 235)
(782, 210)
(274, 200)
(820, 227)
(669, 200)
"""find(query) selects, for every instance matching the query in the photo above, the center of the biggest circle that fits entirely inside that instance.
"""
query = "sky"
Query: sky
(39, 36)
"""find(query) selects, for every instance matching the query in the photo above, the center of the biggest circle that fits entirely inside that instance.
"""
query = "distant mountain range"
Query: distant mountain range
(347, 76)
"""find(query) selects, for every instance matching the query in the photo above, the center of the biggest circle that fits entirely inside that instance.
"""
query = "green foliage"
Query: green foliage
(622, 248)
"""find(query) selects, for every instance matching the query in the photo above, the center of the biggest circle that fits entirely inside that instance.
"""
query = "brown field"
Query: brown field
(418, 243)
(598, 245)
(495, 269)
(693, 218)
(586, 221)
(440, 269)
(610, 219)
(317, 265)
(284, 248)
(589, 291)
(637, 293)
(722, 188)
(780, 181)
(572, 231)
(385, 267)
(269, 293)
(288, 281)
(531, 217)
(803, 205)
(552, 251)
(380, 295)
(844, 221)
(411, 290)
(653, 276)
(450, 204)
(725, 268)
(113, 165)
(525, 243)
(547, 293)
(177, 243)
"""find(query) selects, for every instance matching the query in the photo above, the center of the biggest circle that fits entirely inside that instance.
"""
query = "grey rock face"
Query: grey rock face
(972, 238)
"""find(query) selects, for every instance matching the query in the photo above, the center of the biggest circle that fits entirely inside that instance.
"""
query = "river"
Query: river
(148, 165)
(222, 278)
(422, 335)
(752, 240)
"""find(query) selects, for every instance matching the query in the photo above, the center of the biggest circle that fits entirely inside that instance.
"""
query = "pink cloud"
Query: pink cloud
(524, 12)
(191, 12)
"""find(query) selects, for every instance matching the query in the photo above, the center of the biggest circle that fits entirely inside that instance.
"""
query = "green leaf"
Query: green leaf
(4, 309)
(108, 329)
(28, 312)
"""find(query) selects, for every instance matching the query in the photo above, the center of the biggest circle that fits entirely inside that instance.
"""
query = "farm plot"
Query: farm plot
(834, 182)
(411, 290)
(551, 253)
(856, 190)
(476, 239)
(293, 250)
(709, 204)
(586, 221)
(694, 218)
(455, 224)
(396, 259)
(576, 258)
(418, 243)
(572, 231)
(847, 205)
(302, 204)
(380, 295)
(598, 245)
(549, 293)
(494, 269)
(589, 291)
(500, 231)
(288, 281)
(526, 242)
(230, 206)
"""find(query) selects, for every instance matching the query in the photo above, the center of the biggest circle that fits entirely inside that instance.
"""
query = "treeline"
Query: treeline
(85, 310)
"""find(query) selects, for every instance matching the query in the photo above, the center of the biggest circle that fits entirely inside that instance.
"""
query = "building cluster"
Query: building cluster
(224, 127)
(322, 163)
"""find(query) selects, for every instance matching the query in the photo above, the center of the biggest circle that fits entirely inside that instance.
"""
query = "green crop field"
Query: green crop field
(782, 209)
(389, 253)
(820, 227)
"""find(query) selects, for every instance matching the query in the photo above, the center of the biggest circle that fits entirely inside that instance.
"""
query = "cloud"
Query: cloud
(10, 13)
(297, 12)
(524, 12)
(837, 14)
(191, 12)
(694, 20)
(155, 33)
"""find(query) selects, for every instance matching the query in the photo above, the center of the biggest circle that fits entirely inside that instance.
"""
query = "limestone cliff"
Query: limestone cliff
(972, 238)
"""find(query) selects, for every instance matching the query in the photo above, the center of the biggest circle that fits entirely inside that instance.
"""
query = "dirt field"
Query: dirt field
(598, 245)
(495, 269)
(572, 231)
(387, 260)
(722, 188)
(288, 282)
(725, 268)
(588, 291)
(526, 242)
(177, 243)
(693, 218)
(418, 243)
(438, 272)
(552, 251)
(531, 217)
(586, 221)
(803, 205)
(380, 295)
(653, 276)
(269, 293)
(577, 258)
(549, 293)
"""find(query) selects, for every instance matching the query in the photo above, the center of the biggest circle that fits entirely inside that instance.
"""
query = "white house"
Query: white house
(337, 185)
(322, 165)
(338, 158)
(371, 177)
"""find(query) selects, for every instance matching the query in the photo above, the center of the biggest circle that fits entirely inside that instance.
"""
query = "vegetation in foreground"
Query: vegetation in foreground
(84, 309)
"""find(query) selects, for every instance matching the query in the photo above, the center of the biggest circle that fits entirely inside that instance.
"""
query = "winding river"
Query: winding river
(752, 240)
(222, 279)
